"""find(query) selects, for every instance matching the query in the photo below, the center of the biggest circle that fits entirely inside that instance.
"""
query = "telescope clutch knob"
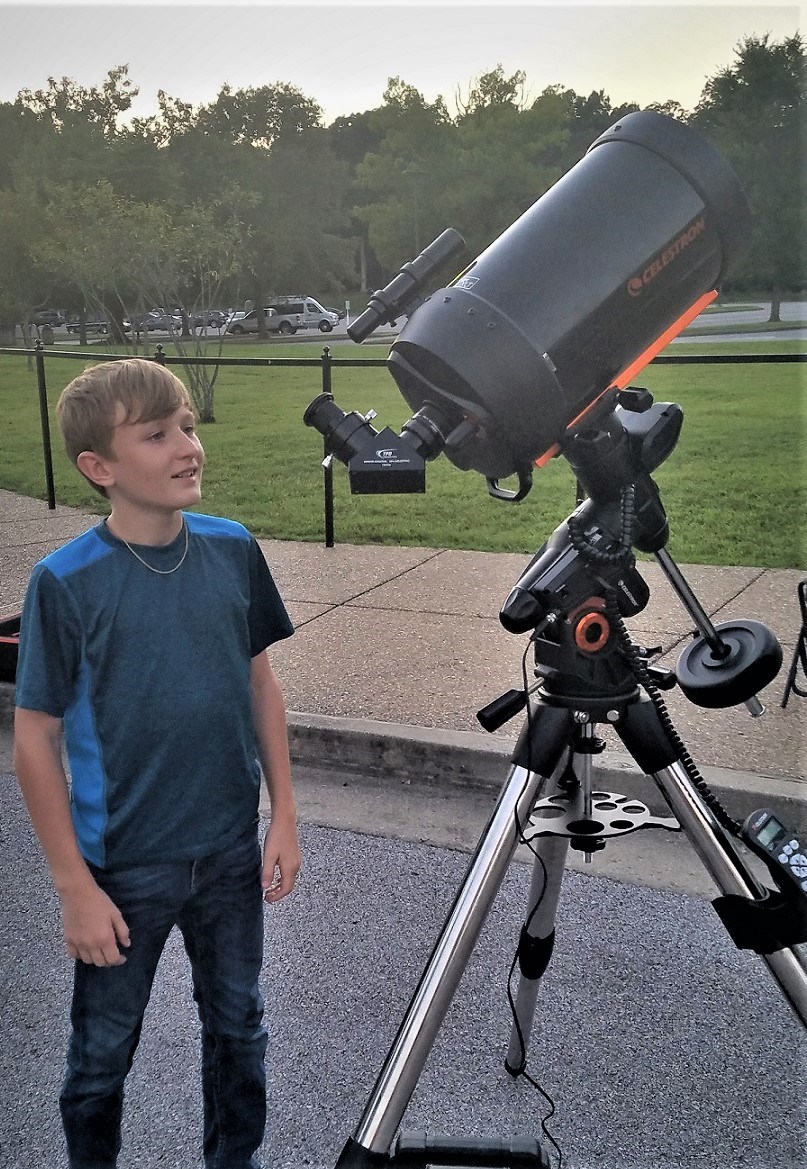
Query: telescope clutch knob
(752, 660)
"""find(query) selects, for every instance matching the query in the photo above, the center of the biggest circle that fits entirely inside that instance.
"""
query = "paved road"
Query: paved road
(663, 1047)
(790, 311)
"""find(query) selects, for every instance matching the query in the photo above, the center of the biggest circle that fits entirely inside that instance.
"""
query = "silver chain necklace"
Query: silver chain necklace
(161, 571)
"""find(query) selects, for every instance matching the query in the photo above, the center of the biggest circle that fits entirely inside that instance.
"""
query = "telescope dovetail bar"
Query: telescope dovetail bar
(623, 381)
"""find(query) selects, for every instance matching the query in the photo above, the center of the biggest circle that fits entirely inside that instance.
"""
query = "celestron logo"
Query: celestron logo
(621, 585)
(637, 284)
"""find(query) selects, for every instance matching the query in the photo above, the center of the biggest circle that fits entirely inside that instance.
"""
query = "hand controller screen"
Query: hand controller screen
(777, 846)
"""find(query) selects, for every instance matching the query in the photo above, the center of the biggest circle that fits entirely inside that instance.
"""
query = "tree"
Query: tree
(23, 286)
(398, 185)
(64, 105)
(477, 173)
(579, 118)
(493, 89)
(754, 112)
(124, 255)
(351, 138)
(259, 116)
(173, 118)
(294, 218)
(20, 281)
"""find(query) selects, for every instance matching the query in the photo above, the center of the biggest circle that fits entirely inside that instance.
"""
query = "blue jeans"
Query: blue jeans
(217, 904)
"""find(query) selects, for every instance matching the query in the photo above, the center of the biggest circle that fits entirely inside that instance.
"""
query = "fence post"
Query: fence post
(327, 462)
(39, 352)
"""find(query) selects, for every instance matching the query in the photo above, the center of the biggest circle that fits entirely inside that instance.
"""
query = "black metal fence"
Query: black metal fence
(327, 364)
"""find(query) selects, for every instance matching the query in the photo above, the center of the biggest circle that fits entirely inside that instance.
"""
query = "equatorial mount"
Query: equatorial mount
(561, 595)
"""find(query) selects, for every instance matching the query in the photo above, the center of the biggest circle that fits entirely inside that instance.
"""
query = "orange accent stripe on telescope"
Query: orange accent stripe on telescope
(623, 380)
(694, 310)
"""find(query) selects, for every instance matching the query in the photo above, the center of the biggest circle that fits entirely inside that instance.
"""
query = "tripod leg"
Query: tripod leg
(644, 736)
(536, 943)
(449, 958)
(537, 938)
(714, 847)
(800, 652)
(543, 743)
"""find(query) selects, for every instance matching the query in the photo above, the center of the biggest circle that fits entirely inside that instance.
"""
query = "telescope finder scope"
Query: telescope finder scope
(399, 295)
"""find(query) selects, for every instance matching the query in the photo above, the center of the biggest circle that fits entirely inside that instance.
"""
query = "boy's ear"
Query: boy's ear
(96, 468)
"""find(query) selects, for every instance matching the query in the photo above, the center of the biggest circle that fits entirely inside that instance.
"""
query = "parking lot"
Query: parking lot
(729, 322)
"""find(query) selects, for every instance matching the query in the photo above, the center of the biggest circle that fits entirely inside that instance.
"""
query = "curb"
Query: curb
(386, 752)
(467, 759)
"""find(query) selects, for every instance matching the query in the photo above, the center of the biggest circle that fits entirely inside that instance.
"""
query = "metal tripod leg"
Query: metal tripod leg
(432, 998)
(537, 938)
(726, 867)
(715, 848)
(447, 963)
(538, 933)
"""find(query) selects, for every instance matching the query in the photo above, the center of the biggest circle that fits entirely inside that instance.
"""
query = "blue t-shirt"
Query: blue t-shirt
(151, 675)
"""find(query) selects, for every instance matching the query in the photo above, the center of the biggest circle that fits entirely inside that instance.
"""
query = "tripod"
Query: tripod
(799, 654)
(572, 598)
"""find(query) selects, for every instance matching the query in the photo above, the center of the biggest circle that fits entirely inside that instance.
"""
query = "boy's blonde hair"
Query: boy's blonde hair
(89, 407)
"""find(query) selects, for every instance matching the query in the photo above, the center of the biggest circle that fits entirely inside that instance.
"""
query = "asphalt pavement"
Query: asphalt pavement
(661, 1044)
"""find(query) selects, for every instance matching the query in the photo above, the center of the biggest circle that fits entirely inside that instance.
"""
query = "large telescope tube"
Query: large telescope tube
(574, 292)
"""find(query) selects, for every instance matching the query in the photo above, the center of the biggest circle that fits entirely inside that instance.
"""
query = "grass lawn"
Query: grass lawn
(734, 488)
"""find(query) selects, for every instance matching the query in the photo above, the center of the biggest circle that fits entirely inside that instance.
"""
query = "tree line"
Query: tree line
(251, 195)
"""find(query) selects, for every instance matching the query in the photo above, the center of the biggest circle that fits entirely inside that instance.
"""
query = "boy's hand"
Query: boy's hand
(281, 859)
(94, 928)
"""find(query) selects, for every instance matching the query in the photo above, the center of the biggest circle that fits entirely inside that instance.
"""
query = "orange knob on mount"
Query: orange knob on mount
(591, 632)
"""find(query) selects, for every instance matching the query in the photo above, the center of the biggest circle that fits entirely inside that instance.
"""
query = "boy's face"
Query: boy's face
(156, 465)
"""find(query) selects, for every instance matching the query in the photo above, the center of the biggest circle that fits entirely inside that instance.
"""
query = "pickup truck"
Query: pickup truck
(94, 326)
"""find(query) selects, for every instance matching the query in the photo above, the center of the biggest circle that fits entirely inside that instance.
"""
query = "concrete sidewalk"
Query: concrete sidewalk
(397, 648)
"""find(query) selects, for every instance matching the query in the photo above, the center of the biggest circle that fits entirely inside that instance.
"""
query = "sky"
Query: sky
(342, 55)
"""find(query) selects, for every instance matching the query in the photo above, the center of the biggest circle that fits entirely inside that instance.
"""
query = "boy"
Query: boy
(143, 643)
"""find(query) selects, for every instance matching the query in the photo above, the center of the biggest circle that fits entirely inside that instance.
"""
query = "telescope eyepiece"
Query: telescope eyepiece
(346, 434)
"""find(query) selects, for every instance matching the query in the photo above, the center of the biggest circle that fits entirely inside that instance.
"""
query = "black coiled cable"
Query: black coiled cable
(643, 677)
(613, 556)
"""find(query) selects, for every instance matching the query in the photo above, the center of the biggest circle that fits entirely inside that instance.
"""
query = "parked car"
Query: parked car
(48, 316)
(241, 323)
(166, 322)
(95, 325)
(213, 318)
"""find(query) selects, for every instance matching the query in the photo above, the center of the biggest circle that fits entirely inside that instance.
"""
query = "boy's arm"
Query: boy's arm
(281, 850)
(93, 926)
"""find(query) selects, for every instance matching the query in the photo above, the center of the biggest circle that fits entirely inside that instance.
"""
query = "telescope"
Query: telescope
(531, 352)
(531, 341)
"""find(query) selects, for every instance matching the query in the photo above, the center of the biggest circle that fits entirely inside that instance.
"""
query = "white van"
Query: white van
(311, 313)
